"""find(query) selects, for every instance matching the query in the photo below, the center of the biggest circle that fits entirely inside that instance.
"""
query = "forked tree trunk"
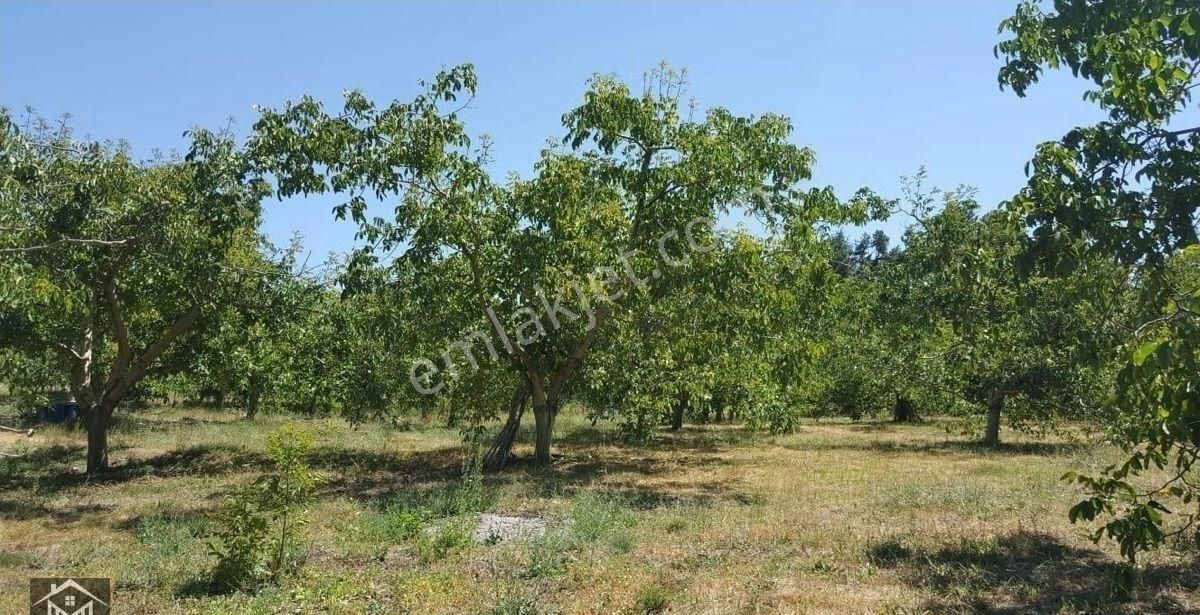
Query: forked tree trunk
(98, 417)
(501, 451)
(991, 433)
(100, 395)
(548, 394)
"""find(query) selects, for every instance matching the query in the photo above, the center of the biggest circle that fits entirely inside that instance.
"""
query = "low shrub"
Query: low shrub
(260, 532)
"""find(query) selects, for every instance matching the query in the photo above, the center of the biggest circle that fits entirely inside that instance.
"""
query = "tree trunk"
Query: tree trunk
(991, 433)
(252, 401)
(678, 412)
(543, 427)
(720, 411)
(97, 430)
(501, 451)
(903, 411)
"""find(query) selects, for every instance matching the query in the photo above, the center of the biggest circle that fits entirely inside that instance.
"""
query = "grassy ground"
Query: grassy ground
(838, 518)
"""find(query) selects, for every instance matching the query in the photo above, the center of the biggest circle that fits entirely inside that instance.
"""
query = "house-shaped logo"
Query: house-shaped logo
(63, 596)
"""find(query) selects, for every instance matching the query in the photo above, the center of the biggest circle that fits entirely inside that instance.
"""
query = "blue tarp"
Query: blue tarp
(59, 413)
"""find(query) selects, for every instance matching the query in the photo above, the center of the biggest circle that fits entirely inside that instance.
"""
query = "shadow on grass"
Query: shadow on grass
(384, 478)
(1030, 572)
(48, 471)
(153, 424)
(619, 469)
(204, 586)
(677, 495)
(878, 426)
(692, 438)
(369, 475)
(197, 519)
(945, 447)
(32, 468)
(19, 509)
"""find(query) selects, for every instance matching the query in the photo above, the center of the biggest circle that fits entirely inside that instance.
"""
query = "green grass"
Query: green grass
(652, 599)
(837, 518)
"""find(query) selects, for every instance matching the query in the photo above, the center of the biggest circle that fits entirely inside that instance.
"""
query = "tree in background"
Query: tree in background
(1022, 338)
(254, 341)
(632, 167)
(702, 343)
(882, 352)
(1126, 189)
(108, 261)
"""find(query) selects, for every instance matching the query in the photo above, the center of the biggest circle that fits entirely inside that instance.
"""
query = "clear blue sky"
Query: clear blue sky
(876, 88)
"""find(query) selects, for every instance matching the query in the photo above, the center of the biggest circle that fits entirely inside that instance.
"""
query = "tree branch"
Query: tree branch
(138, 367)
(65, 241)
(71, 352)
(120, 330)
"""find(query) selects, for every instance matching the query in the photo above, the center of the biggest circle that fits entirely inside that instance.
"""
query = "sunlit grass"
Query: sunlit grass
(837, 518)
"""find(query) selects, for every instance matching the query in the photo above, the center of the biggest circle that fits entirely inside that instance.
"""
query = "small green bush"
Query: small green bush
(621, 542)
(652, 599)
(403, 524)
(259, 535)
(453, 535)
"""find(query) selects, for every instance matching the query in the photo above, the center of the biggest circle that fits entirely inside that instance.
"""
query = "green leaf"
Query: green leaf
(1185, 24)
(1139, 355)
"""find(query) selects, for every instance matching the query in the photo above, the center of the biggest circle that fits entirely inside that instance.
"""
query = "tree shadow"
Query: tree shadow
(587, 465)
(13, 509)
(153, 424)
(1001, 449)
(385, 477)
(47, 469)
(665, 464)
(676, 495)
(552, 483)
(17, 509)
(370, 475)
(946, 447)
(28, 470)
(195, 517)
(710, 438)
(55, 475)
(877, 426)
(1032, 572)
(203, 586)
